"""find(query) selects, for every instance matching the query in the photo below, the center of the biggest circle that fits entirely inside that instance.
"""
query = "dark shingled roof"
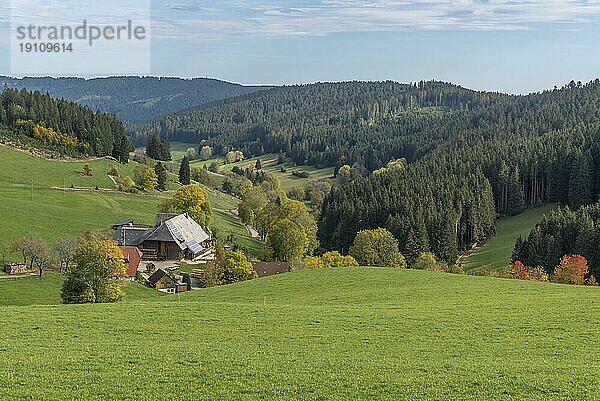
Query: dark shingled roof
(134, 236)
(162, 217)
(158, 274)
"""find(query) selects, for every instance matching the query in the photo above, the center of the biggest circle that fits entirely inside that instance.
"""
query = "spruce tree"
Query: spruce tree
(161, 173)
(185, 172)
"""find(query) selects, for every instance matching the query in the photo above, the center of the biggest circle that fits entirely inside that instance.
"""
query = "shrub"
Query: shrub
(538, 273)
(301, 174)
(426, 261)
(330, 260)
(455, 269)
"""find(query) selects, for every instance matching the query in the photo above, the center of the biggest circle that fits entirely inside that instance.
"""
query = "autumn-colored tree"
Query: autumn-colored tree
(190, 199)
(206, 152)
(227, 268)
(237, 268)
(87, 169)
(97, 275)
(519, 271)
(538, 273)
(145, 177)
(377, 248)
(571, 270)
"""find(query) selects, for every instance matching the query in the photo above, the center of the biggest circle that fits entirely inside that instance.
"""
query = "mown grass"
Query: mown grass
(355, 334)
(497, 252)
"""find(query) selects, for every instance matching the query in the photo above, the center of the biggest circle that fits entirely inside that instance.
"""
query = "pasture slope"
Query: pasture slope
(37, 198)
(497, 252)
(344, 334)
(269, 165)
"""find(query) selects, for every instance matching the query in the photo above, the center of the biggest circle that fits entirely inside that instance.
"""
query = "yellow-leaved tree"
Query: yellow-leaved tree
(190, 199)
(97, 275)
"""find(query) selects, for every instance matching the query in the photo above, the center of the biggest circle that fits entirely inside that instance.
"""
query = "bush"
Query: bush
(426, 261)
(538, 273)
(301, 174)
(330, 260)
(519, 271)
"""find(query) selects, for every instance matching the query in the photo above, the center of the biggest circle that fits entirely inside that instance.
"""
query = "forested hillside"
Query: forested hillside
(133, 99)
(37, 120)
(470, 154)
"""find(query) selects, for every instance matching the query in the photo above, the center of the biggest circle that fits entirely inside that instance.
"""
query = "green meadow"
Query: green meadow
(497, 252)
(354, 334)
(268, 161)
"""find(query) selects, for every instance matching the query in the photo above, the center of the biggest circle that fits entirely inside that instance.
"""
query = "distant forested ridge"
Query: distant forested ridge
(40, 121)
(470, 154)
(133, 99)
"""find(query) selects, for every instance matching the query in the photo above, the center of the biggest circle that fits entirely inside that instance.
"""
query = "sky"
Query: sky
(499, 45)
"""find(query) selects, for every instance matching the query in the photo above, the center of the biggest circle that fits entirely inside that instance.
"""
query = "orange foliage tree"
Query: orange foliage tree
(571, 270)
(519, 271)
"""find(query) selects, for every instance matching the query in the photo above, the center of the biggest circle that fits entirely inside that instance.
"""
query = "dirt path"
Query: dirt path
(252, 231)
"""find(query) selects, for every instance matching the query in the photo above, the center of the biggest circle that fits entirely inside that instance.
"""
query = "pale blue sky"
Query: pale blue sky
(505, 45)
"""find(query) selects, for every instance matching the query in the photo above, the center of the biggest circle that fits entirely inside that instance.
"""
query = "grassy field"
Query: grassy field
(46, 291)
(497, 252)
(268, 161)
(34, 200)
(356, 334)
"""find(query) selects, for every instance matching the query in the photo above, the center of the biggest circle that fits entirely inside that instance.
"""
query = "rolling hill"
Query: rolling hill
(350, 334)
(133, 99)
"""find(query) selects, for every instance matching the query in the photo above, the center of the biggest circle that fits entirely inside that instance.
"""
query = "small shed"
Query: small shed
(15, 268)
(164, 281)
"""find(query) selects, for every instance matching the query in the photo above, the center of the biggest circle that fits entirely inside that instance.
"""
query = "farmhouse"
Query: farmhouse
(172, 237)
(164, 281)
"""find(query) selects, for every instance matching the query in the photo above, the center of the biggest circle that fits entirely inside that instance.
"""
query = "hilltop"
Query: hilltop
(317, 335)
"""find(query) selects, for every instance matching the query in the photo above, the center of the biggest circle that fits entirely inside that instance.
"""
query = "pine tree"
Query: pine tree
(185, 172)
(161, 173)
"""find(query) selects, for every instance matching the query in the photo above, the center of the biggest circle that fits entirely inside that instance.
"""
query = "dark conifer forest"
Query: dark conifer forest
(31, 118)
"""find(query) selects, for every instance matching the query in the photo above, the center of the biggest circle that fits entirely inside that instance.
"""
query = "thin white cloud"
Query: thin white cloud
(244, 18)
